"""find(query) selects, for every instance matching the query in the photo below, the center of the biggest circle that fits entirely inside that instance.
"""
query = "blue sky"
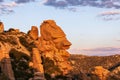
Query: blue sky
(93, 26)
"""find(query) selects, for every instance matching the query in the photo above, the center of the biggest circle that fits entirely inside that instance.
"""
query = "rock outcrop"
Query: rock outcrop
(10, 43)
(33, 32)
(100, 73)
(53, 46)
(30, 56)
(37, 65)
(6, 66)
(115, 73)
(45, 57)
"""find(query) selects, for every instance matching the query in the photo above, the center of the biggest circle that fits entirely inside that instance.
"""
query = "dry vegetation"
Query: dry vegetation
(86, 63)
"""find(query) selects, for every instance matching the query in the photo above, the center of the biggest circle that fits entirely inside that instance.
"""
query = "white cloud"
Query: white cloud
(110, 15)
(6, 8)
(101, 51)
(114, 12)
(42, 2)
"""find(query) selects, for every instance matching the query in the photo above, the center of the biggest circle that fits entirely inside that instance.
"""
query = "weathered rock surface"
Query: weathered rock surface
(37, 65)
(100, 72)
(115, 73)
(33, 57)
(5, 61)
(1, 27)
(10, 43)
(53, 46)
(33, 32)
(26, 56)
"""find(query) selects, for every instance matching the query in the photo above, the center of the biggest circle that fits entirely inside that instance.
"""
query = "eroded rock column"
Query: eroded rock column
(37, 65)
(53, 47)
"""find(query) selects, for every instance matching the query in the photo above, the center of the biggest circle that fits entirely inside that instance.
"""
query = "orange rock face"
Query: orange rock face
(37, 62)
(1, 27)
(51, 45)
(6, 67)
(100, 72)
(51, 32)
(34, 32)
(54, 44)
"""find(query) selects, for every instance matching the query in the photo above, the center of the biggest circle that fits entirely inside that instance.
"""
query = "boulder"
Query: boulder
(100, 72)
(51, 32)
(53, 45)
(33, 32)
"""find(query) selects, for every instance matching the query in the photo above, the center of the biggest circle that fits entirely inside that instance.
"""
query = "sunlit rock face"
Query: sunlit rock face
(10, 43)
(5, 65)
(33, 57)
(37, 62)
(53, 46)
(100, 73)
(52, 32)
(37, 65)
(33, 33)
(30, 56)
(1, 27)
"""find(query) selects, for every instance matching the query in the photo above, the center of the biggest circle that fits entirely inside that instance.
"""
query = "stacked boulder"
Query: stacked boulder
(42, 55)
(53, 47)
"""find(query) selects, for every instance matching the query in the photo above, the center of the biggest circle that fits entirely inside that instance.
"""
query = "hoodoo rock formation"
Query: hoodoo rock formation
(32, 57)
(53, 46)
(28, 56)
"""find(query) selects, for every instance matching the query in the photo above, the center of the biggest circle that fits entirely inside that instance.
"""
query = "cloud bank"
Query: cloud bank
(93, 3)
(1, 0)
(23, 1)
(73, 4)
(110, 15)
(102, 51)
(7, 7)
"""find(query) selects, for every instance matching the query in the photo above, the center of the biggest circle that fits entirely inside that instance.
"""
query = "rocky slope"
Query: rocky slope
(95, 67)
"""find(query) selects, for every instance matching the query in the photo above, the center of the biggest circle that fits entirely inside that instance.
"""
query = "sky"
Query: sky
(92, 26)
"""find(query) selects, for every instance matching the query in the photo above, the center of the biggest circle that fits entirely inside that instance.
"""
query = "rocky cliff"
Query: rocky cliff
(28, 56)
